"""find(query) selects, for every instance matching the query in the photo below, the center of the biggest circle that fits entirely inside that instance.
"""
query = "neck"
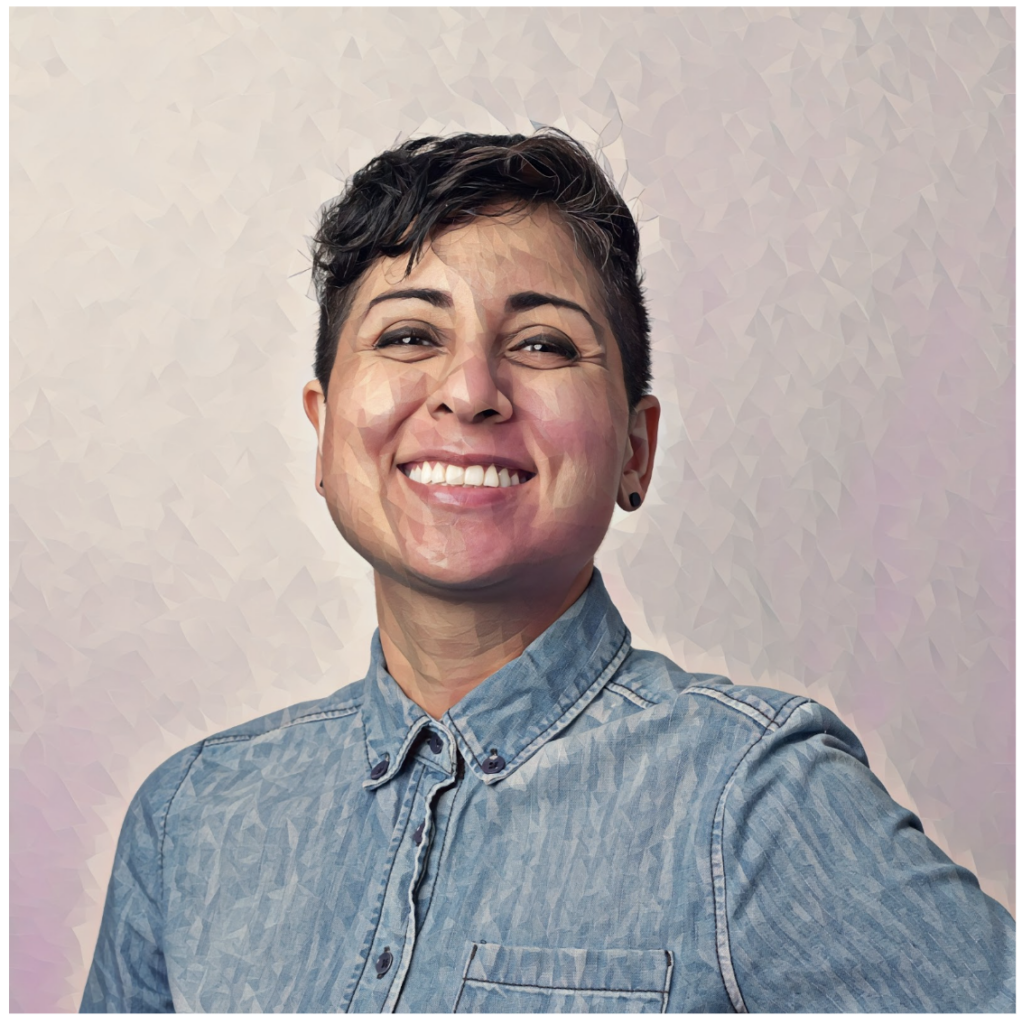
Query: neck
(439, 647)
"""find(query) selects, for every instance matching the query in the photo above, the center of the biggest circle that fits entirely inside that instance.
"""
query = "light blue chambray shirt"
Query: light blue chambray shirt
(590, 829)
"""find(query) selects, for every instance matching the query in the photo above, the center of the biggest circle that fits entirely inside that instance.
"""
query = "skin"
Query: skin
(467, 578)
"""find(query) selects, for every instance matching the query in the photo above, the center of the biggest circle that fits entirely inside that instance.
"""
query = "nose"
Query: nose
(470, 390)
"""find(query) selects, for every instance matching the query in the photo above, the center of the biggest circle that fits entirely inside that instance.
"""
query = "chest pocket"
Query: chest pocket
(527, 979)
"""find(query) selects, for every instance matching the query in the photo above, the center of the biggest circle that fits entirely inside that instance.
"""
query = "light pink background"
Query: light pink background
(827, 208)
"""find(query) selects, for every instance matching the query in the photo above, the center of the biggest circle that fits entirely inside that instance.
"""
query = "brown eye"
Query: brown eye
(545, 350)
(405, 338)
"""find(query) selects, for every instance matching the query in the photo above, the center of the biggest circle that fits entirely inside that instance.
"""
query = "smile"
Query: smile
(437, 473)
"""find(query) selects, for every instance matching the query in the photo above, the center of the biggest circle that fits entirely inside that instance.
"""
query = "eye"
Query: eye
(406, 339)
(544, 350)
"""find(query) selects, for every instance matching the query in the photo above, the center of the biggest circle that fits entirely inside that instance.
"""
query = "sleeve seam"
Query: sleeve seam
(724, 963)
(166, 815)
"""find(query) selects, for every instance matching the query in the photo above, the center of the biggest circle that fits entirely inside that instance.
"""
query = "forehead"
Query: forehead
(532, 250)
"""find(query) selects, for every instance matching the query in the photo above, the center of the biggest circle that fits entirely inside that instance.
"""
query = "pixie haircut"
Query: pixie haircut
(404, 196)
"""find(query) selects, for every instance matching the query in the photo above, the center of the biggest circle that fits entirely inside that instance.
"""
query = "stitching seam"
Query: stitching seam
(316, 716)
(733, 702)
(586, 698)
(443, 846)
(575, 708)
(667, 980)
(398, 973)
(467, 745)
(166, 814)
(464, 977)
(623, 691)
(568, 988)
(719, 891)
(365, 744)
(392, 853)
(723, 942)
(319, 716)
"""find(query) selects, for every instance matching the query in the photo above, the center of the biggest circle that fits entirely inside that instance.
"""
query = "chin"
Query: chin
(458, 574)
(467, 574)
(539, 572)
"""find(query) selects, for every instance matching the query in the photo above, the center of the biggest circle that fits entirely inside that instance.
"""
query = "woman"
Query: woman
(515, 810)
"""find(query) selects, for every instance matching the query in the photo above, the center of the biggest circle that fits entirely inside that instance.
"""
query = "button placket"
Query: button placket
(423, 855)
(394, 935)
(390, 927)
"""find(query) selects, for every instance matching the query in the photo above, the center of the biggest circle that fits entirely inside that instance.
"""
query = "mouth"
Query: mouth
(446, 474)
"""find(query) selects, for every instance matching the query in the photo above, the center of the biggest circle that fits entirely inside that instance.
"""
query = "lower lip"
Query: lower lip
(463, 497)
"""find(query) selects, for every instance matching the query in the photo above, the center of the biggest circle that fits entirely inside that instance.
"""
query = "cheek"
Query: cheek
(577, 430)
(369, 407)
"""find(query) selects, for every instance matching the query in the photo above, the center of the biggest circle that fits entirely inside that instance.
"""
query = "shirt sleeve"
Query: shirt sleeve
(128, 972)
(832, 897)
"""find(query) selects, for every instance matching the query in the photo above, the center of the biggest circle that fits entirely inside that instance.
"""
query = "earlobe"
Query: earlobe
(642, 437)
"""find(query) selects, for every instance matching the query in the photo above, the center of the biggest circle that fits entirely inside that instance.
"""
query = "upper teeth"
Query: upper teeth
(460, 476)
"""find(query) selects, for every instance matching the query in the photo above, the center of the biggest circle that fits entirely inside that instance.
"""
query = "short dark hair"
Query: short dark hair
(395, 203)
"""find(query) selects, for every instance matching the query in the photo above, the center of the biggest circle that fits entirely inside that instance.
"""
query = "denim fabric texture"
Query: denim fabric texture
(591, 829)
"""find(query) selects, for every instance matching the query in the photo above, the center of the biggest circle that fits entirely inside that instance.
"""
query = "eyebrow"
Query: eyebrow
(435, 298)
(520, 302)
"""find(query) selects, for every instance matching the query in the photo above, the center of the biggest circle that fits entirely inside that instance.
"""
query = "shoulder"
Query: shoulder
(740, 736)
(159, 789)
(340, 704)
(752, 709)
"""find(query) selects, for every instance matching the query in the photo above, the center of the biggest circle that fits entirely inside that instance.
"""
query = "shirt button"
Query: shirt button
(436, 743)
(494, 763)
(384, 961)
(417, 834)
(380, 769)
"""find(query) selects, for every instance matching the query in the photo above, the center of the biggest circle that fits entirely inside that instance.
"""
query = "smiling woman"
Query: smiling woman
(514, 809)
(488, 360)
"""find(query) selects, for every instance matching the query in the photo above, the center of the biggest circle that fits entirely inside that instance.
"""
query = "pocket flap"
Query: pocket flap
(610, 977)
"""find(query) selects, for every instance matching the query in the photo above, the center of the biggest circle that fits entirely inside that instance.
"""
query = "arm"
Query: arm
(128, 972)
(836, 901)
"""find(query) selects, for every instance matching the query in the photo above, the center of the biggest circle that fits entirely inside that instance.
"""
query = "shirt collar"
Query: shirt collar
(504, 720)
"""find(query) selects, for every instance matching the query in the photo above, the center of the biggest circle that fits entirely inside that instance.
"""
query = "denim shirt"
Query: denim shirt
(591, 829)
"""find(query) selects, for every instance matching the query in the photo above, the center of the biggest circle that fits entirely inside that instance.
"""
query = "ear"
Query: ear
(638, 467)
(315, 408)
